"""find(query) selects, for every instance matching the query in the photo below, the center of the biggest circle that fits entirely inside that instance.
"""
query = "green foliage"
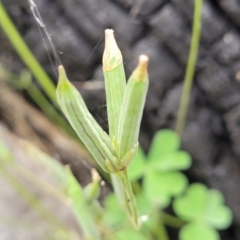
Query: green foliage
(201, 211)
(205, 211)
(113, 216)
(191, 65)
(162, 180)
(160, 169)
(113, 153)
(129, 233)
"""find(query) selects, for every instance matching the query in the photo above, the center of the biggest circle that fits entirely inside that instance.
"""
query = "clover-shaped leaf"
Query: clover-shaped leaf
(178, 160)
(160, 168)
(217, 215)
(204, 209)
(159, 188)
(164, 141)
(195, 231)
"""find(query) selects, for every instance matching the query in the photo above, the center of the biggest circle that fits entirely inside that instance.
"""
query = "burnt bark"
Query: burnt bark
(162, 30)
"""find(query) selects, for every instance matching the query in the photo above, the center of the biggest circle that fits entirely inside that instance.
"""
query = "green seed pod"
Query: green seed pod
(132, 107)
(115, 81)
(95, 139)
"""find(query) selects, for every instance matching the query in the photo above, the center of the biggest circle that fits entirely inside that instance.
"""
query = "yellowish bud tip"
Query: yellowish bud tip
(141, 72)
(112, 56)
(62, 73)
(95, 175)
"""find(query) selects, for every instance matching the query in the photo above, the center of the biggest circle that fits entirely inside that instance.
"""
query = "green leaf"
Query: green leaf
(191, 206)
(194, 231)
(178, 160)
(164, 141)
(136, 168)
(160, 188)
(81, 208)
(143, 205)
(216, 213)
(129, 233)
(113, 215)
(202, 204)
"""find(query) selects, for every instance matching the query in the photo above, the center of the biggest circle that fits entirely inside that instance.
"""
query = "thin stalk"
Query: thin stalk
(129, 198)
(157, 227)
(191, 65)
(26, 55)
(161, 232)
(172, 221)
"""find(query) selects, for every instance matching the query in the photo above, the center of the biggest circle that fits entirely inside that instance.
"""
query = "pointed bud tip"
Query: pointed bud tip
(110, 39)
(95, 175)
(143, 61)
(62, 74)
(112, 56)
(141, 71)
(61, 68)
(109, 33)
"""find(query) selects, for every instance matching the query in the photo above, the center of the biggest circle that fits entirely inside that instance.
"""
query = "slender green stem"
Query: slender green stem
(129, 197)
(161, 231)
(26, 55)
(172, 221)
(118, 189)
(191, 65)
(157, 227)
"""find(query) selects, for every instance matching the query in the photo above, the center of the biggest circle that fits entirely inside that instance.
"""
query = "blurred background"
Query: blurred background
(162, 30)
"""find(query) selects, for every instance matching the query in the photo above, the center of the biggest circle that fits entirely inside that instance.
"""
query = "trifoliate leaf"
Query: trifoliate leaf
(136, 168)
(159, 188)
(164, 141)
(202, 204)
(216, 213)
(178, 160)
(195, 231)
(191, 206)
